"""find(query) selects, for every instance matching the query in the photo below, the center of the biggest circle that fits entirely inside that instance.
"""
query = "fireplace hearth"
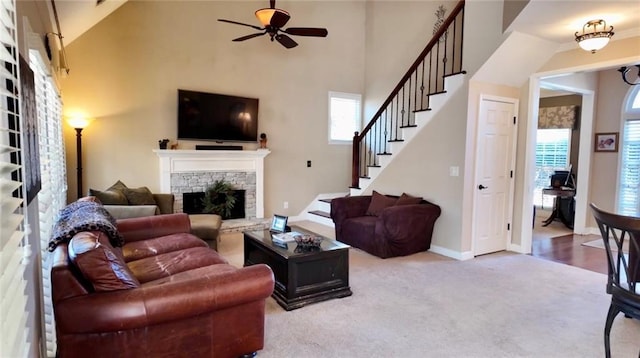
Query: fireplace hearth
(192, 204)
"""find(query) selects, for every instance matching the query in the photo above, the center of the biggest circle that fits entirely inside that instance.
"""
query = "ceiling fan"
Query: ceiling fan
(273, 20)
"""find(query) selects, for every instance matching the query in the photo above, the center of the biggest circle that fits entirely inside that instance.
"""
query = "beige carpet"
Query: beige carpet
(426, 305)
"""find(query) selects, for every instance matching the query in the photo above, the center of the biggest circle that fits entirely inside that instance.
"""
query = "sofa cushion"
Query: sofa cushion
(379, 202)
(163, 265)
(406, 199)
(139, 196)
(137, 250)
(99, 263)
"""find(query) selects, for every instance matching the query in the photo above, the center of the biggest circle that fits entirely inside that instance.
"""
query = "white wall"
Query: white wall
(125, 71)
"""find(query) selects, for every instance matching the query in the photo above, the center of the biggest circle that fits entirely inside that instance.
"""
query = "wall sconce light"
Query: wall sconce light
(594, 40)
(79, 123)
(625, 70)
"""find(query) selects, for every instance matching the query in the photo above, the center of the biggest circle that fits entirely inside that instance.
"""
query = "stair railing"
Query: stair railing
(441, 57)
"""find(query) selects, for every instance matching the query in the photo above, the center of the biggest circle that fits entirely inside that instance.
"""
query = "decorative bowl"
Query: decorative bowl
(308, 240)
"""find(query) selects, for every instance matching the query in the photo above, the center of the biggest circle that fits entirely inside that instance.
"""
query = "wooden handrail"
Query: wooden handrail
(416, 63)
(366, 143)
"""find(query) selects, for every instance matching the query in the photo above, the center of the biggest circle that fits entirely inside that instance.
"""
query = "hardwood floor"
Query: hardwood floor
(557, 243)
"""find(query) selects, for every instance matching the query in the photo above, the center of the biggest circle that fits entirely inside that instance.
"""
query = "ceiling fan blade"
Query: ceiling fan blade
(279, 19)
(307, 31)
(249, 36)
(286, 41)
(241, 23)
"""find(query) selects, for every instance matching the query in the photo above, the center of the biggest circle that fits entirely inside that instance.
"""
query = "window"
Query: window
(344, 116)
(552, 153)
(629, 178)
(53, 195)
(13, 299)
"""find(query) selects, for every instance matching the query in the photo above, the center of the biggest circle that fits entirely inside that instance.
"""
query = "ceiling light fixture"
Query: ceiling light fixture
(265, 16)
(625, 70)
(594, 40)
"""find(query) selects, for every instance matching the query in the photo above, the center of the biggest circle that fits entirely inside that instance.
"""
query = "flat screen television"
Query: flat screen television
(217, 117)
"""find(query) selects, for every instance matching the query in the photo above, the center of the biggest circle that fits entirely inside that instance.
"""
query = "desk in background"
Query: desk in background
(563, 207)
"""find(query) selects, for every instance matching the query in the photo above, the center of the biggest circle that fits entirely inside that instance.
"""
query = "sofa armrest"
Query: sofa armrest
(164, 202)
(348, 207)
(130, 211)
(147, 227)
(140, 307)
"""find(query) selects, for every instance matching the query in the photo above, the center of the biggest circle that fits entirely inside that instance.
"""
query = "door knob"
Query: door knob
(482, 187)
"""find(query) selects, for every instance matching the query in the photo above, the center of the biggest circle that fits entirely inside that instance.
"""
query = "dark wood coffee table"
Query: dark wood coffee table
(302, 276)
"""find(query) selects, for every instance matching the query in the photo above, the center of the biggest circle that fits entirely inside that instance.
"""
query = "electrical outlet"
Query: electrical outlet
(286, 205)
(308, 164)
(454, 171)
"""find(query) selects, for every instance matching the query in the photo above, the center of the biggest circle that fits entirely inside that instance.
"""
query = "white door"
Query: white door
(494, 174)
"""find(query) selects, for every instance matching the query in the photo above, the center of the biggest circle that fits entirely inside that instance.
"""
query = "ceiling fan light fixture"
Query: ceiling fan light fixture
(266, 15)
(596, 39)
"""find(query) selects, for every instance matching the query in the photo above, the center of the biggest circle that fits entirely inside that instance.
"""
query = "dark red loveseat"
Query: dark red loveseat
(396, 230)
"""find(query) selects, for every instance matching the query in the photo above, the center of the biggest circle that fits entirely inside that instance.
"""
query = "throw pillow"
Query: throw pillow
(139, 196)
(406, 199)
(100, 264)
(119, 186)
(109, 197)
(378, 203)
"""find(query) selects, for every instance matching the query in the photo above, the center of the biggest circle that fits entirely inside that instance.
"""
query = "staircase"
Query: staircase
(428, 84)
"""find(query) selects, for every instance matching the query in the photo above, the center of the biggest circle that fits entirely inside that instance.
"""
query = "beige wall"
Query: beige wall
(608, 118)
(125, 71)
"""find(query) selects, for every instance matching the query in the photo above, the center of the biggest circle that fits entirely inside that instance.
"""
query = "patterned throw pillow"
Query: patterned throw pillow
(378, 203)
(139, 196)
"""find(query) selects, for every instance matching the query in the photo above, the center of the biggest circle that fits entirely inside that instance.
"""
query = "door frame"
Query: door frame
(514, 135)
(584, 159)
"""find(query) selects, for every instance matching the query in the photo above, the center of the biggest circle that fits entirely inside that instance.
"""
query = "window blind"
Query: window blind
(13, 300)
(552, 153)
(52, 197)
(629, 188)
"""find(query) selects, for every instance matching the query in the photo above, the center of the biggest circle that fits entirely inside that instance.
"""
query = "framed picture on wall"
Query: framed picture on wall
(606, 142)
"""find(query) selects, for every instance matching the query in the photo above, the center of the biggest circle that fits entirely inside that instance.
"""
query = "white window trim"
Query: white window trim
(344, 95)
(627, 113)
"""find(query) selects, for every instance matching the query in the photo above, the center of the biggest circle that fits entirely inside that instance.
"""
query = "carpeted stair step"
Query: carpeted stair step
(320, 213)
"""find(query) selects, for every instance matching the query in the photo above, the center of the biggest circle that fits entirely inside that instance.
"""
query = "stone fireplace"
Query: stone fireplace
(192, 171)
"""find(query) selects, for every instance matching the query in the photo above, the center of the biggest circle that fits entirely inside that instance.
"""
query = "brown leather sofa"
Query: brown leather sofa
(163, 293)
(385, 225)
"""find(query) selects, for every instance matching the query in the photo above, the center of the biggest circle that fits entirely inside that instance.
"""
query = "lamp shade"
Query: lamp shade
(272, 17)
(594, 44)
(78, 121)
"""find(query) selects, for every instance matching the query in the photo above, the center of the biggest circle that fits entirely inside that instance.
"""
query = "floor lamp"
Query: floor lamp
(79, 123)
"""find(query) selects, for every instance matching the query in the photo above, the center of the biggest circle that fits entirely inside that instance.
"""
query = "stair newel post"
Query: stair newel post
(355, 165)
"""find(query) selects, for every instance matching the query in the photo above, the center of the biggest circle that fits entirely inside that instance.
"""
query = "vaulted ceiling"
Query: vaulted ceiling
(552, 20)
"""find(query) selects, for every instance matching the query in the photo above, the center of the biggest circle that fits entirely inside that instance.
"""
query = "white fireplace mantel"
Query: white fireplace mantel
(189, 161)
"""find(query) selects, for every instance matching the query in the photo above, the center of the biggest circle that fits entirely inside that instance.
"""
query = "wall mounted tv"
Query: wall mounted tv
(217, 117)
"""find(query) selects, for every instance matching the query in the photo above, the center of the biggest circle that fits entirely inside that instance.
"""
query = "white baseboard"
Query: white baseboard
(461, 256)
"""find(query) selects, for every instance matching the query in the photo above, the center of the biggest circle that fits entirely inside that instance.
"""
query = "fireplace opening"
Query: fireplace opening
(192, 204)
